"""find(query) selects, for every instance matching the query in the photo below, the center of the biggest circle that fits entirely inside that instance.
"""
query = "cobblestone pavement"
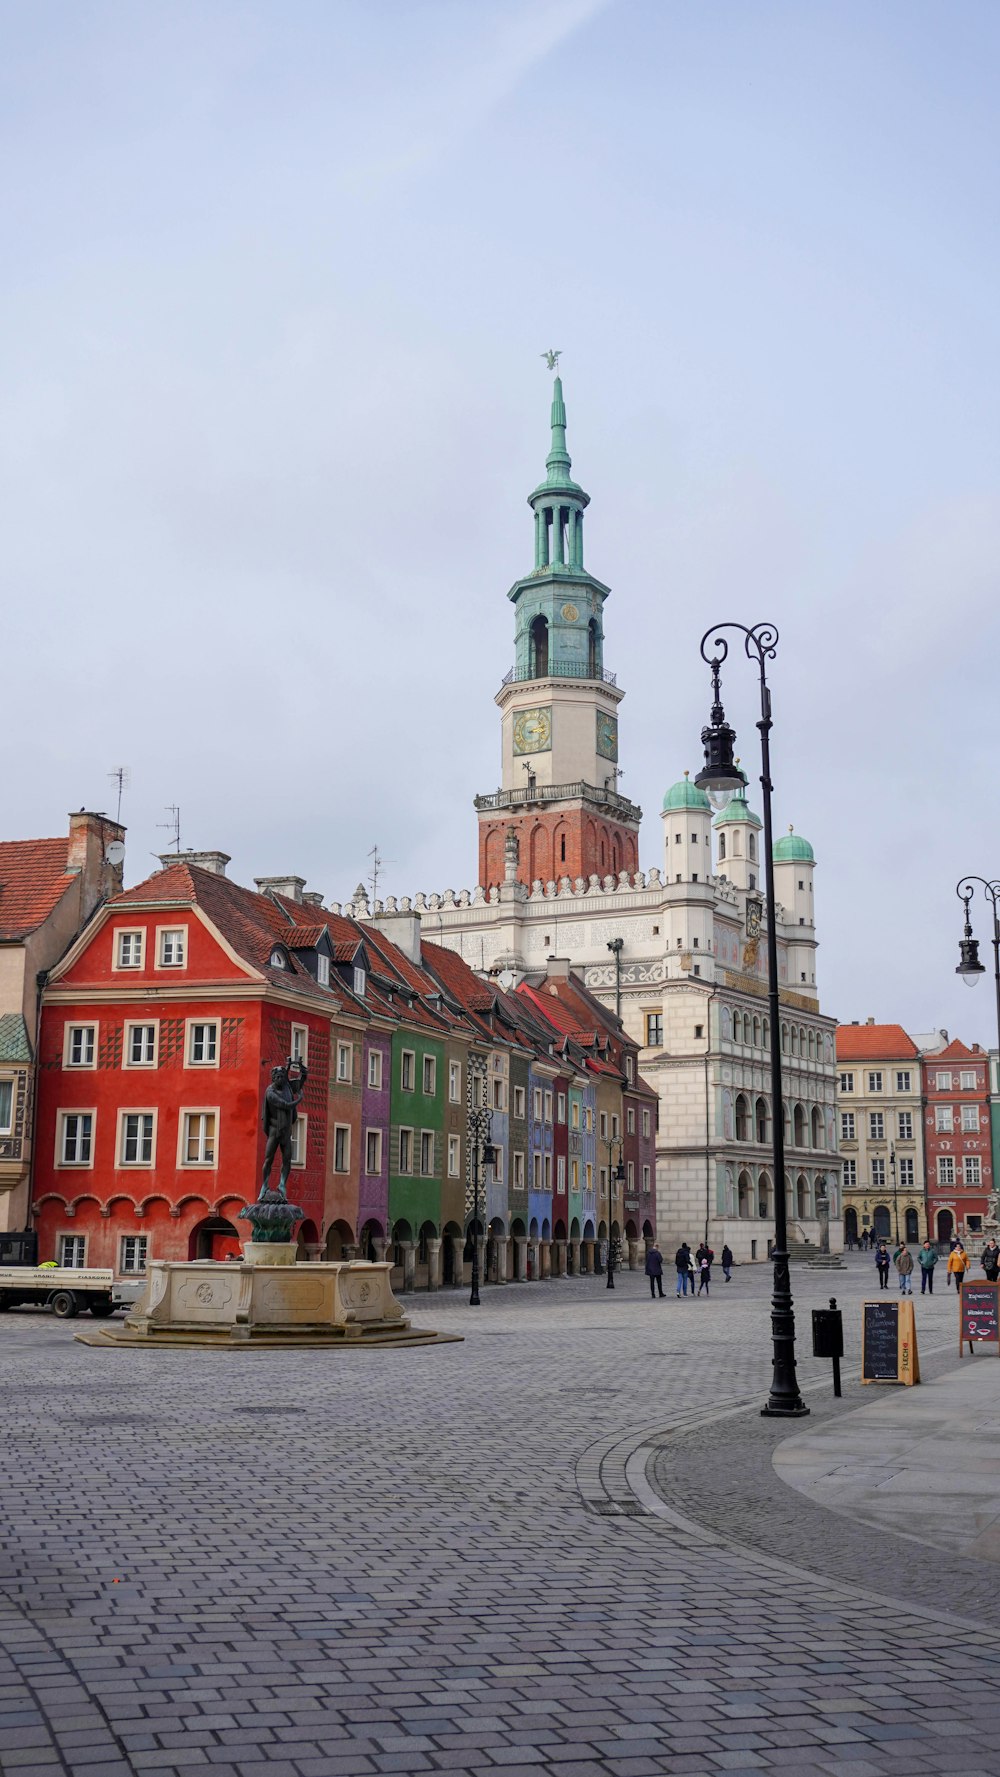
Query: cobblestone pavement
(557, 1548)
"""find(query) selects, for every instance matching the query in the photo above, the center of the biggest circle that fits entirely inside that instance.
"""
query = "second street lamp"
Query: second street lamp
(616, 1175)
(722, 778)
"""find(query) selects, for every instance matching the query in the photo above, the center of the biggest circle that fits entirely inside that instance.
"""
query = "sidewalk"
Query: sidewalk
(921, 1462)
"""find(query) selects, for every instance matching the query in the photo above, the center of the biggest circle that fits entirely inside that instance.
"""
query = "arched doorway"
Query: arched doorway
(339, 1235)
(215, 1238)
(745, 1189)
(850, 1225)
(306, 1237)
(912, 1225)
(452, 1235)
(371, 1232)
(883, 1221)
(945, 1225)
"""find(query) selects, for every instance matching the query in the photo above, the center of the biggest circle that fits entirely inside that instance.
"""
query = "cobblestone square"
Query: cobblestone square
(559, 1547)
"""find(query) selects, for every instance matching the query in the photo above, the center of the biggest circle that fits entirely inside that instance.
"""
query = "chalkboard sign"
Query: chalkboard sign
(979, 1314)
(889, 1343)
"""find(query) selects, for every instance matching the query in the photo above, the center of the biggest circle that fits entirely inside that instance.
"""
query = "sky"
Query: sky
(277, 283)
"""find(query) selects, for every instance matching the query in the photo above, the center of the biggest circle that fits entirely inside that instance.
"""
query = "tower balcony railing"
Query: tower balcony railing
(606, 798)
(559, 669)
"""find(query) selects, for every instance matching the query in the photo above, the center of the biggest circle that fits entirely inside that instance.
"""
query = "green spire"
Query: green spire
(558, 461)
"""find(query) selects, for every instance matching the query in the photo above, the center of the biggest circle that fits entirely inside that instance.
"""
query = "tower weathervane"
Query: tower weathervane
(552, 360)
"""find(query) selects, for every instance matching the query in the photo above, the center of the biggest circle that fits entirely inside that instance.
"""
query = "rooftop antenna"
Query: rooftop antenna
(121, 776)
(174, 826)
(378, 865)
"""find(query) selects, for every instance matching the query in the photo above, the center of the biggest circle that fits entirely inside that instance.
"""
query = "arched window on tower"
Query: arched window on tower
(592, 652)
(722, 848)
(539, 648)
(752, 846)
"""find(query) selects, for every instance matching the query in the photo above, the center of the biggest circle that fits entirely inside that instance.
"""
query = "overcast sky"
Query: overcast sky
(277, 280)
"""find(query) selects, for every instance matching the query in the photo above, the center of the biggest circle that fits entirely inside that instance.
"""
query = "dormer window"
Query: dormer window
(360, 983)
(323, 970)
(278, 959)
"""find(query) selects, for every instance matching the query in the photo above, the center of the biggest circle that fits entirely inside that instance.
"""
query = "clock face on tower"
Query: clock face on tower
(607, 737)
(533, 731)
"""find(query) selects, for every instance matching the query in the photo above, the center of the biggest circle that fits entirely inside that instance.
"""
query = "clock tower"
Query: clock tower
(559, 709)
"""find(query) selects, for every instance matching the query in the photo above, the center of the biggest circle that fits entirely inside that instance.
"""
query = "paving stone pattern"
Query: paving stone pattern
(544, 1550)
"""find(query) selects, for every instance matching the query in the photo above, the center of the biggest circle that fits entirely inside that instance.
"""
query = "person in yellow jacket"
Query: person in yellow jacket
(958, 1264)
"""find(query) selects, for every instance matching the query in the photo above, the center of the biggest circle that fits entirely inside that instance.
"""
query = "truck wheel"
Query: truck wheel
(64, 1305)
(100, 1310)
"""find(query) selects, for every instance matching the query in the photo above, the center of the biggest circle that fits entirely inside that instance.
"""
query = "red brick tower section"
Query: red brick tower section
(581, 839)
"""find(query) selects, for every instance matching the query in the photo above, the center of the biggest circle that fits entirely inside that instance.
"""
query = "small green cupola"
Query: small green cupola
(683, 795)
(791, 848)
(559, 631)
(737, 809)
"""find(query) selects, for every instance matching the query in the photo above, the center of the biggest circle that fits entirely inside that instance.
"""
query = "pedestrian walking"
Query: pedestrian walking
(904, 1266)
(991, 1260)
(882, 1265)
(953, 1241)
(654, 1270)
(928, 1258)
(958, 1263)
(681, 1258)
(727, 1262)
(864, 1240)
(705, 1273)
(850, 1240)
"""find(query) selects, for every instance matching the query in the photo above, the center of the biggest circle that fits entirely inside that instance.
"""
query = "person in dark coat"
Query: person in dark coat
(654, 1269)
(704, 1272)
(991, 1260)
(882, 1265)
(727, 1262)
(682, 1260)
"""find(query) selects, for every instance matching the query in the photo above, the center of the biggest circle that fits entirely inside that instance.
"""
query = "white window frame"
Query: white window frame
(536, 1171)
(942, 1082)
(850, 1175)
(645, 1122)
(548, 1107)
(121, 932)
(878, 1173)
(970, 1119)
(299, 1050)
(428, 1071)
(518, 1181)
(141, 1244)
(905, 1122)
(126, 1111)
(345, 1064)
(427, 1171)
(967, 1079)
(322, 968)
(561, 1174)
(615, 1126)
(408, 1055)
(875, 1081)
(405, 1171)
(560, 1107)
(454, 1156)
(972, 1170)
(373, 1136)
(197, 1110)
(906, 1173)
(646, 1183)
(876, 1126)
(68, 1062)
(300, 1140)
(944, 1119)
(847, 1082)
(454, 1082)
(498, 1171)
(630, 1120)
(83, 1110)
(604, 1125)
(360, 983)
(74, 1264)
(163, 934)
(903, 1081)
(847, 1126)
(375, 1070)
(946, 1171)
(536, 1103)
(132, 1024)
(193, 1024)
(7, 1126)
(342, 1130)
(520, 1102)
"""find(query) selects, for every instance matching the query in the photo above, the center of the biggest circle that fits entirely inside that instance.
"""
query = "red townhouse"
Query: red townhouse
(159, 1029)
(959, 1166)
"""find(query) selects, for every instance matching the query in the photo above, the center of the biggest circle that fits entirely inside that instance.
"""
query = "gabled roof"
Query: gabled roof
(33, 880)
(874, 1042)
(305, 937)
(957, 1051)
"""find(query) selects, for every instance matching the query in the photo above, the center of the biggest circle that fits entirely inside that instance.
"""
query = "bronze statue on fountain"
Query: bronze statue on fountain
(272, 1217)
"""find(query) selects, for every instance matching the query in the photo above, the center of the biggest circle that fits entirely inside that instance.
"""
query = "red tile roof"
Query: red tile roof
(874, 1042)
(956, 1051)
(33, 880)
(304, 937)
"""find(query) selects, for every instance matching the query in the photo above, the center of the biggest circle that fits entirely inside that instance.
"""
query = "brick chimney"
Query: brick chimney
(90, 834)
(215, 861)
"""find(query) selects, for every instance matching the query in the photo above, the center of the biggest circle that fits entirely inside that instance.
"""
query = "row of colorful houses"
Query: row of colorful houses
(159, 1024)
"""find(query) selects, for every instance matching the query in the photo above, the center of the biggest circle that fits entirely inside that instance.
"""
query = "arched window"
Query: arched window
(817, 1130)
(539, 648)
(766, 1032)
(756, 1033)
(745, 1190)
(737, 1027)
(762, 1120)
(751, 846)
(722, 848)
(763, 1195)
(784, 1039)
(737, 846)
(742, 1118)
(802, 1206)
(799, 1127)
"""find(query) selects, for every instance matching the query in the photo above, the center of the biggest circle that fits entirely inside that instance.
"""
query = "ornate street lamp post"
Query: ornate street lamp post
(971, 969)
(895, 1204)
(722, 779)
(480, 1121)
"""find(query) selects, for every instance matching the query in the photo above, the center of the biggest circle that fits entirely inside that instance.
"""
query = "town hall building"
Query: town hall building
(681, 946)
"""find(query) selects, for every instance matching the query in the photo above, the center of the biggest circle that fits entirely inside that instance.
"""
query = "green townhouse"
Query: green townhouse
(416, 1150)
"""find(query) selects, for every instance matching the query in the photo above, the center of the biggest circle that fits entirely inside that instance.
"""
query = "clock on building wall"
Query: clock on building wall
(607, 737)
(533, 731)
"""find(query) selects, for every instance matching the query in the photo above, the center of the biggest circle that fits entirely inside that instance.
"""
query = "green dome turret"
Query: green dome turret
(792, 848)
(684, 795)
(738, 809)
